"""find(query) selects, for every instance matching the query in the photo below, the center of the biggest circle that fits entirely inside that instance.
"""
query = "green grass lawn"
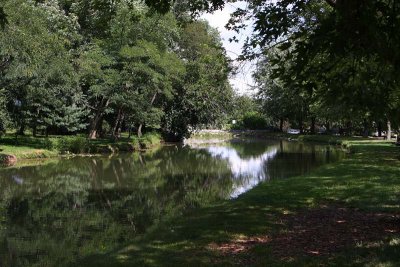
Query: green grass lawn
(26, 152)
(342, 214)
(29, 147)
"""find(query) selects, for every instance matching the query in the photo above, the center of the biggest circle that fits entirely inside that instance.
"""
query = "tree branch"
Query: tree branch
(332, 3)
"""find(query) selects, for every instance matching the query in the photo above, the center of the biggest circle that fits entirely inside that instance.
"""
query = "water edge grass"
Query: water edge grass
(29, 147)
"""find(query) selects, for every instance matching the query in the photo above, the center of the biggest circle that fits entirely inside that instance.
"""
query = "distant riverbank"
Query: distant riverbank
(13, 149)
(207, 136)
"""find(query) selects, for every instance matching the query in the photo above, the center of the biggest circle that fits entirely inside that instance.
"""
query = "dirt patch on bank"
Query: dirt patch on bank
(7, 160)
(323, 231)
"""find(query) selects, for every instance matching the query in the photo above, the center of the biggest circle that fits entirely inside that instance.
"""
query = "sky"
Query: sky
(243, 81)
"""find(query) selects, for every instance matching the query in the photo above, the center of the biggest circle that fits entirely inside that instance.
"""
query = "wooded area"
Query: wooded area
(333, 63)
(287, 175)
(99, 67)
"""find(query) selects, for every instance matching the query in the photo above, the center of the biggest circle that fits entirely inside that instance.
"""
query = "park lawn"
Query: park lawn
(27, 152)
(342, 214)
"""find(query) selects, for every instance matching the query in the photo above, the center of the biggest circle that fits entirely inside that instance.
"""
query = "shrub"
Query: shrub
(149, 140)
(136, 143)
(73, 144)
(50, 143)
(152, 138)
(254, 121)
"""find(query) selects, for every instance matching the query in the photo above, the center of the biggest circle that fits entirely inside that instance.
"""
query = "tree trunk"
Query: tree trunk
(114, 130)
(365, 132)
(121, 121)
(349, 128)
(281, 125)
(379, 129)
(139, 130)
(100, 131)
(301, 126)
(21, 130)
(34, 130)
(313, 125)
(154, 98)
(328, 126)
(389, 131)
(96, 120)
(93, 127)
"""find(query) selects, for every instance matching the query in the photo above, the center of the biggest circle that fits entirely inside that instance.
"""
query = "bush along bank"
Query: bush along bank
(81, 145)
(27, 147)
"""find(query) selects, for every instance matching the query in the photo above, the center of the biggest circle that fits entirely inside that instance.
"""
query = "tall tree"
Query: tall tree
(204, 97)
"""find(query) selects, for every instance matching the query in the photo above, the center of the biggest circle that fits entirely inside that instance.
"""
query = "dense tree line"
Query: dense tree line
(100, 67)
(331, 62)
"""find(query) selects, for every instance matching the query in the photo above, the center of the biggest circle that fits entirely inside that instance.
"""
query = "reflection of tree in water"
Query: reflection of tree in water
(253, 162)
(251, 148)
(83, 206)
(52, 215)
(295, 158)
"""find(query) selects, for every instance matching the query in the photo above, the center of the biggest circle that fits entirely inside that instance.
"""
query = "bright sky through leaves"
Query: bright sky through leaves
(243, 81)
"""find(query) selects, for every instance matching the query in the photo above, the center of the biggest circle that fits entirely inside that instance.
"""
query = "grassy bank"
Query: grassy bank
(264, 134)
(342, 214)
(28, 147)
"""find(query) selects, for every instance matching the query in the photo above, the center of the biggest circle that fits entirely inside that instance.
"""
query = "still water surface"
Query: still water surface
(58, 213)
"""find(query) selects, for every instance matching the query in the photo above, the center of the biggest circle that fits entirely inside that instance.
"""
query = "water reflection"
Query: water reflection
(86, 206)
(246, 172)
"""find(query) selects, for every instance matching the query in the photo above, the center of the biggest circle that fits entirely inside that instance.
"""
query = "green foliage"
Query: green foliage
(39, 78)
(136, 143)
(326, 62)
(3, 17)
(152, 138)
(73, 144)
(73, 66)
(149, 140)
(4, 117)
(149, 78)
(254, 121)
(204, 96)
(241, 105)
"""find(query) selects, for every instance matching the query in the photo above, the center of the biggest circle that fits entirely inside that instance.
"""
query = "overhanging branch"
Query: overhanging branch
(332, 3)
